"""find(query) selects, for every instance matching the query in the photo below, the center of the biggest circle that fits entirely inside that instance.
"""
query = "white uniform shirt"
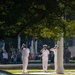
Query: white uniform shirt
(55, 54)
(55, 51)
(45, 54)
(5, 55)
(25, 53)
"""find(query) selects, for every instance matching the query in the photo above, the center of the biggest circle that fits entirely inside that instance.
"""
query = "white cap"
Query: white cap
(45, 45)
(23, 44)
(56, 45)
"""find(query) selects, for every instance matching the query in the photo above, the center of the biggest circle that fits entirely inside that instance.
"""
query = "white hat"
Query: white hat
(23, 44)
(45, 45)
(56, 45)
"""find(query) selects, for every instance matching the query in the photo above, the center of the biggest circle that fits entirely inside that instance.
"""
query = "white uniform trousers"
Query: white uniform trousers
(25, 64)
(55, 60)
(55, 64)
(45, 64)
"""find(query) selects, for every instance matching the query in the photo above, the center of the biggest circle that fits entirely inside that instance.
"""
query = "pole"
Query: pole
(60, 69)
(3, 45)
(32, 48)
(36, 46)
(19, 41)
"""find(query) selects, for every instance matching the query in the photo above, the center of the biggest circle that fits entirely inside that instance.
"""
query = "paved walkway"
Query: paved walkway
(38, 73)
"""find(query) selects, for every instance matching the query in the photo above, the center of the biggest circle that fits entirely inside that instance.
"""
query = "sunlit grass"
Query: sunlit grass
(36, 70)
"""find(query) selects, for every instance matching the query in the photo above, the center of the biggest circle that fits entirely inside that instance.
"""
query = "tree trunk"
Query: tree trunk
(60, 69)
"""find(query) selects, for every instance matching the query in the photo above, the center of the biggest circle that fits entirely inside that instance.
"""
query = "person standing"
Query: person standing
(5, 57)
(67, 56)
(45, 55)
(55, 55)
(14, 57)
(19, 55)
(25, 55)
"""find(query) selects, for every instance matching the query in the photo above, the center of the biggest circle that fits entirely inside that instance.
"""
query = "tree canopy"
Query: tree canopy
(41, 18)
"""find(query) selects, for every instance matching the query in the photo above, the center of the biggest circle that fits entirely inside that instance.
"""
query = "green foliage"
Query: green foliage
(40, 18)
(71, 29)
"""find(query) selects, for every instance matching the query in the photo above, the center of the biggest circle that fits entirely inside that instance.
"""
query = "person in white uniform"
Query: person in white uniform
(45, 55)
(25, 55)
(55, 56)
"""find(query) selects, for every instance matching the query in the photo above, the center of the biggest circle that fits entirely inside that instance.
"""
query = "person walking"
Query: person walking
(25, 55)
(54, 49)
(45, 55)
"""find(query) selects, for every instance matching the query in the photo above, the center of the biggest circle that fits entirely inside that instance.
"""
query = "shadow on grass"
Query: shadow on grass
(2, 72)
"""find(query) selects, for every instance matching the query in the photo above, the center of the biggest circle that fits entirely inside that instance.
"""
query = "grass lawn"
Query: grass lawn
(72, 61)
(40, 70)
